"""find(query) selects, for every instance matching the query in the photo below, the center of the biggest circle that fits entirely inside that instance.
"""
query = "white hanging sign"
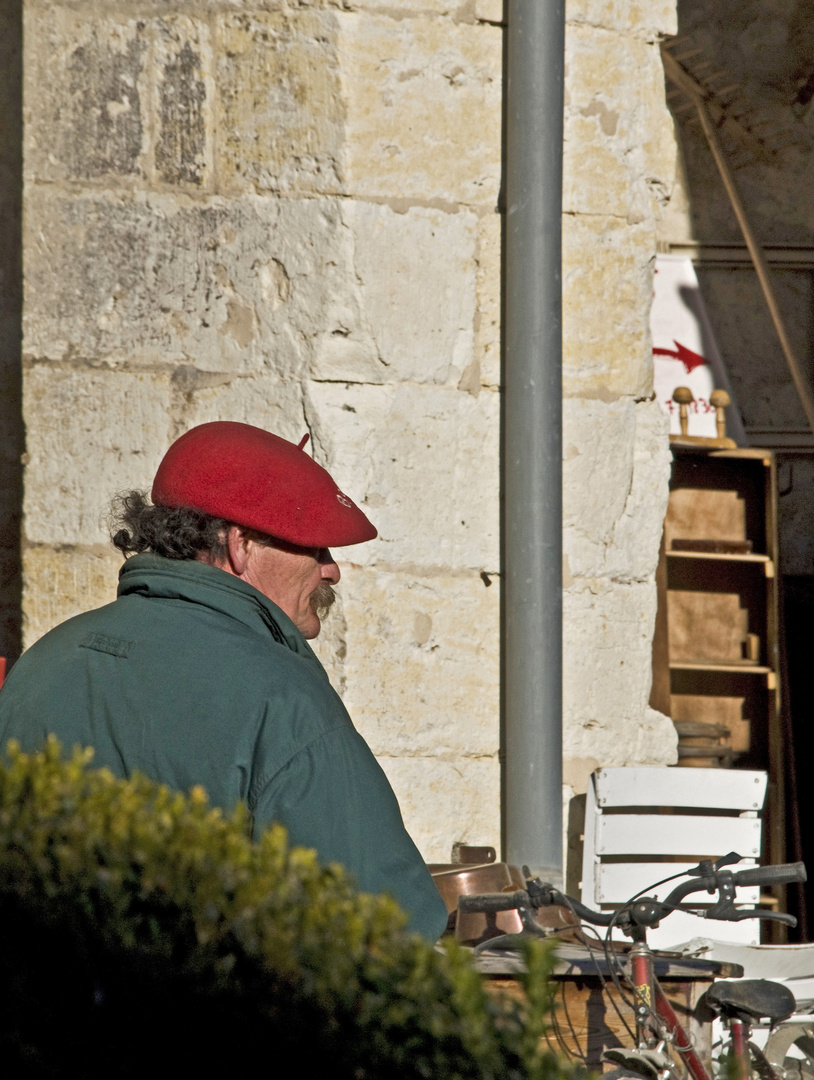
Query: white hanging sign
(684, 349)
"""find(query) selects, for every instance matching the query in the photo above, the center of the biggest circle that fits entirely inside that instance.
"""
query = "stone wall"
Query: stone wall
(287, 214)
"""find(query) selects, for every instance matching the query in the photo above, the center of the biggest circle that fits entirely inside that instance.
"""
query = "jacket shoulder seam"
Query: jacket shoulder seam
(267, 778)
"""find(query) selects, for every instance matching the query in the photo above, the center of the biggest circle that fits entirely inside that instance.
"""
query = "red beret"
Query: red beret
(256, 479)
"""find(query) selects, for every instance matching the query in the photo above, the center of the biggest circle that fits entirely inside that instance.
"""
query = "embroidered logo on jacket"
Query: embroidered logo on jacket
(103, 643)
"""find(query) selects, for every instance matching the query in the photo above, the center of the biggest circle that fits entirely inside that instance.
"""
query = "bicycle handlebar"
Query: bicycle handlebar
(647, 911)
(710, 877)
(492, 903)
(783, 874)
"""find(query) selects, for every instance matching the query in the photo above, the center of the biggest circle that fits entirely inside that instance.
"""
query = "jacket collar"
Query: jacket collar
(199, 583)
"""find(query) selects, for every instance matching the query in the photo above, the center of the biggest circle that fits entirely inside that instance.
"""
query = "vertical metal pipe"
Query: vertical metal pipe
(532, 437)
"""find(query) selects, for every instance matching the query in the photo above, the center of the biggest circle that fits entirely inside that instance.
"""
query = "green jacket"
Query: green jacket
(194, 677)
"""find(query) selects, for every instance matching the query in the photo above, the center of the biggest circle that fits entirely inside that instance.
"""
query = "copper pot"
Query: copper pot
(468, 880)
(473, 928)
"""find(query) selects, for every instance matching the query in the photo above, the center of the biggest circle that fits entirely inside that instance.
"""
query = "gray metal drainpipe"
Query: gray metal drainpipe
(532, 437)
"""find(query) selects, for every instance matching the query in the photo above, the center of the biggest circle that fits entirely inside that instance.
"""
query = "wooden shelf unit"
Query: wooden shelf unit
(715, 651)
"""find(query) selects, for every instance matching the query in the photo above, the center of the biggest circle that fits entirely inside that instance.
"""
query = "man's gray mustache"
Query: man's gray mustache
(322, 599)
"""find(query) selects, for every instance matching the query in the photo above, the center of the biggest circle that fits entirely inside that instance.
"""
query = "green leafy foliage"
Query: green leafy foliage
(141, 930)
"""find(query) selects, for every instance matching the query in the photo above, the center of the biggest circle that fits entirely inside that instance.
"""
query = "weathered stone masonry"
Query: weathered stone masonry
(287, 214)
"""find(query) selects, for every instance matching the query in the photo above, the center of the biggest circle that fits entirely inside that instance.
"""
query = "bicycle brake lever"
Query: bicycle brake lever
(779, 916)
(729, 913)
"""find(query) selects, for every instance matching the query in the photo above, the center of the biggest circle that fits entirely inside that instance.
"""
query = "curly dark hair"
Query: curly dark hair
(174, 532)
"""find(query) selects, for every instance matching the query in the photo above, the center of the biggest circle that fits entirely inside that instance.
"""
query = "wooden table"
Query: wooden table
(590, 1014)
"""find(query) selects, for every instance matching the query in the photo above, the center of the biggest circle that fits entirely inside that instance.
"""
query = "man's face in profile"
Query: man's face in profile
(299, 580)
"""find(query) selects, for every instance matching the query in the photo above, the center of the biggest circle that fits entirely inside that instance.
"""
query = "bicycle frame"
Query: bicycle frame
(657, 1025)
(650, 1003)
(681, 1040)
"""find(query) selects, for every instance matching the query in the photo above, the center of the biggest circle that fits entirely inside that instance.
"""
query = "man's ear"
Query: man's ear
(237, 550)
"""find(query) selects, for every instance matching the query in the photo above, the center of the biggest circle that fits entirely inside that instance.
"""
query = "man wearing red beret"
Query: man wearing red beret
(200, 671)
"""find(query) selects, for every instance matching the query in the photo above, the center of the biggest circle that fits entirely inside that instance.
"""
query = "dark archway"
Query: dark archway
(11, 307)
(756, 57)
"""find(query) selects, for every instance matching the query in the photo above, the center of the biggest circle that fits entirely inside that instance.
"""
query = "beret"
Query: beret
(258, 480)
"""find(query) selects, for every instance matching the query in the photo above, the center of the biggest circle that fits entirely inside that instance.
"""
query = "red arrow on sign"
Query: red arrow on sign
(691, 360)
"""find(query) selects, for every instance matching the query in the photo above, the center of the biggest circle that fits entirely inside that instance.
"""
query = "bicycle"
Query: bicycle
(663, 1050)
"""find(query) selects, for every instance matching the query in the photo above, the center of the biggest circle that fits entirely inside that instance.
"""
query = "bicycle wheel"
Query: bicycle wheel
(791, 1049)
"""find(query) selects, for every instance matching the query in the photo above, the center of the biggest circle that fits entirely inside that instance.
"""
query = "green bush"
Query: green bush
(141, 930)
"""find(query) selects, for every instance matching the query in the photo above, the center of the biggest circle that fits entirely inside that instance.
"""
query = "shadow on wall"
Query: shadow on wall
(11, 303)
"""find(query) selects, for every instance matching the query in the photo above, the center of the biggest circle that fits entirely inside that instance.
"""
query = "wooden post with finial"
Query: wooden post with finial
(682, 395)
(720, 399)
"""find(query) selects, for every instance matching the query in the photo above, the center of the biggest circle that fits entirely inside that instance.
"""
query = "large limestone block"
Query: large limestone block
(420, 660)
(90, 434)
(354, 292)
(281, 111)
(616, 471)
(618, 141)
(676, 225)
(487, 317)
(598, 447)
(182, 112)
(607, 291)
(411, 315)
(634, 553)
(243, 287)
(273, 404)
(423, 100)
(63, 581)
(607, 635)
(406, 8)
(485, 11)
(118, 99)
(648, 17)
(444, 800)
(86, 77)
(422, 462)
(649, 740)
(468, 11)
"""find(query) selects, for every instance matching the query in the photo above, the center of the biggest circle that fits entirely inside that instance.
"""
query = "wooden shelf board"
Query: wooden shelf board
(729, 557)
(748, 667)
(716, 556)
